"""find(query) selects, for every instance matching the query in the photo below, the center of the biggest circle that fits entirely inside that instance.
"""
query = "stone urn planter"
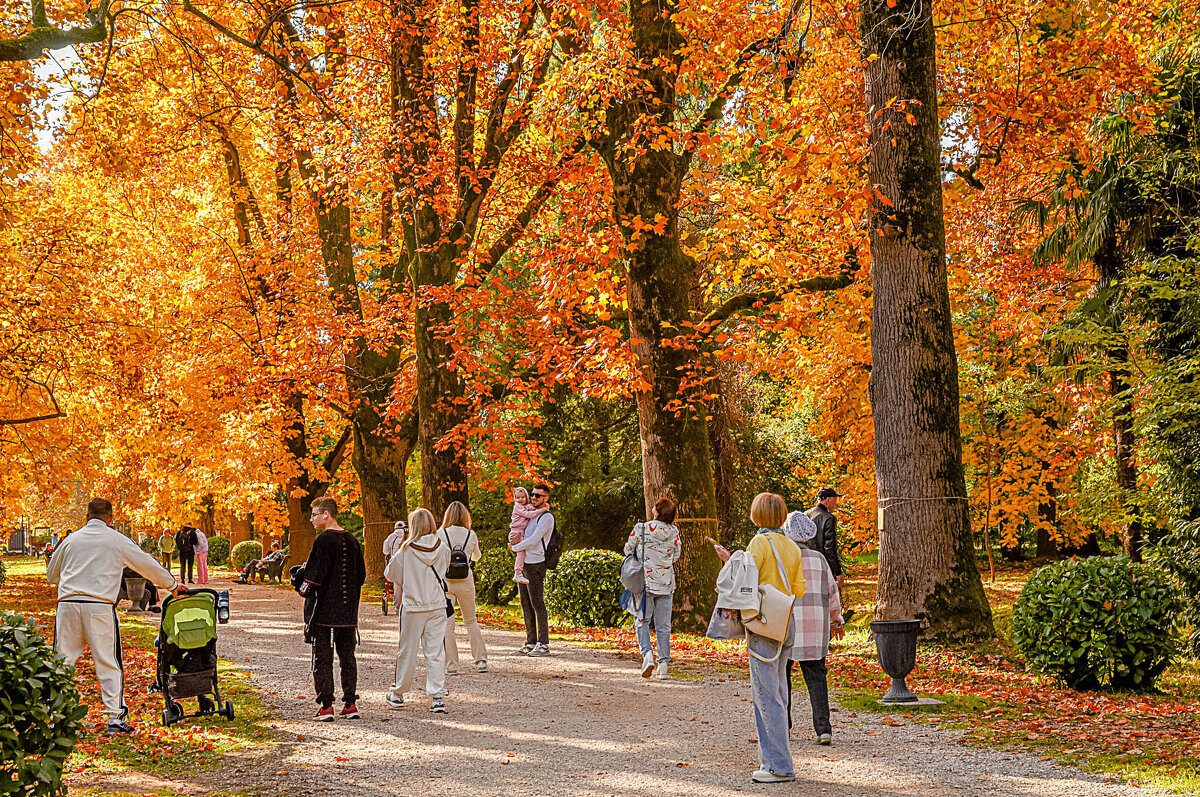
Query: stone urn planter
(896, 641)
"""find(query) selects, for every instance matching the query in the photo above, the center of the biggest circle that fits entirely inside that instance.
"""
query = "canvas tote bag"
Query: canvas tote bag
(774, 609)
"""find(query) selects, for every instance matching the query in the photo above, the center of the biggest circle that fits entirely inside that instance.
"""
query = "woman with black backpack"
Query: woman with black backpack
(464, 549)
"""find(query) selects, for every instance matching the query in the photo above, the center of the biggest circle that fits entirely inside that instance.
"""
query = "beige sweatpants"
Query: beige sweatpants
(427, 629)
(463, 592)
(94, 625)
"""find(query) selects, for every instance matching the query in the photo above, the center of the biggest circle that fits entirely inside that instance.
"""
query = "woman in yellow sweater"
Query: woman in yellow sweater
(779, 564)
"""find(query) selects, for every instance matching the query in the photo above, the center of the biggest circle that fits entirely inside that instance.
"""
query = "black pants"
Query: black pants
(816, 679)
(533, 604)
(324, 640)
(187, 560)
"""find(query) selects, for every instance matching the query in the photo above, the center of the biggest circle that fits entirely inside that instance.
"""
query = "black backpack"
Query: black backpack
(552, 545)
(460, 563)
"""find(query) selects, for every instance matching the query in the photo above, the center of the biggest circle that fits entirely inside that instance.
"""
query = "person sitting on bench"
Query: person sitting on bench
(257, 566)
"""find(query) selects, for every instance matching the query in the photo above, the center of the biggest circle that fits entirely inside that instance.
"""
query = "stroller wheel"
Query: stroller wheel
(228, 712)
(172, 713)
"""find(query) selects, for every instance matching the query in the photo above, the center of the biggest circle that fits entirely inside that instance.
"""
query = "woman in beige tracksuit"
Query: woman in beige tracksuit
(417, 569)
(456, 533)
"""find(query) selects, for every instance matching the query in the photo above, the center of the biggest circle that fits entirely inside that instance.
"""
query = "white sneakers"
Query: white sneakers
(394, 700)
(647, 664)
(661, 673)
(539, 650)
(481, 666)
(519, 577)
(767, 776)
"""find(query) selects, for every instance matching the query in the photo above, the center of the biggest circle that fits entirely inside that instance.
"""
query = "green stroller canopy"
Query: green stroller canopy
(190, 622)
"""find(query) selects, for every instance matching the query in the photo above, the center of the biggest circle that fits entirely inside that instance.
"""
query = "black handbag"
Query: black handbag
(445, 589)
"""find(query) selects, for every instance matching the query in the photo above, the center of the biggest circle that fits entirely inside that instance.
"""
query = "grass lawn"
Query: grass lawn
(153, 751)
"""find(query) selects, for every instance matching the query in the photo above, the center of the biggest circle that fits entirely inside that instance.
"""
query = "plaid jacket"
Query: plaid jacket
(820, 604)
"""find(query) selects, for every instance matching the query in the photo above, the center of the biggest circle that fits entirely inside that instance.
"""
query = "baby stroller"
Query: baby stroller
(187, 653)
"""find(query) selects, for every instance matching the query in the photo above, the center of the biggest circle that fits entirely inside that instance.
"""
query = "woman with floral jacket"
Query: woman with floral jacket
(656, 543)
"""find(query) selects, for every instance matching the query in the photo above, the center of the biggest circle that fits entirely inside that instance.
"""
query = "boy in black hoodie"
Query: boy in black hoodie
(333, 579)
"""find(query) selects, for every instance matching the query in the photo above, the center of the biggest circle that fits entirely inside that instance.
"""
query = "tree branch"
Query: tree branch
(45, 36)
(58, 413)
(735, 305)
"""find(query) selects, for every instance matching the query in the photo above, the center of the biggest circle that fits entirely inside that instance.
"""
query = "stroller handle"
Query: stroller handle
(220, 601)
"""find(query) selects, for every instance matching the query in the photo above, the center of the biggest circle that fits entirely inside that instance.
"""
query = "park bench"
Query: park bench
(272, 570)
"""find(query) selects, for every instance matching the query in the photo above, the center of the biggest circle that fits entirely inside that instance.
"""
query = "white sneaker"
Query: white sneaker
(394, 700)
(481, 666)
(519, 577)
(439, 707)
(451, 671)
(540, 650)
(647, 664)
(661, 672)
(526, 649)
(766, 776)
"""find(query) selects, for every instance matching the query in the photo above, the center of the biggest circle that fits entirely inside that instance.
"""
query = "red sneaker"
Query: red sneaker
(350, 712)
(324, 715)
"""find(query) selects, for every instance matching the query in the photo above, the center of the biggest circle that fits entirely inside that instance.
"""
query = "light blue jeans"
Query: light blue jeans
(658, 609)
(769, 687)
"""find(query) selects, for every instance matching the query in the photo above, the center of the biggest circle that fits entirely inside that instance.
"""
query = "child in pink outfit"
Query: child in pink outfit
(522, 513)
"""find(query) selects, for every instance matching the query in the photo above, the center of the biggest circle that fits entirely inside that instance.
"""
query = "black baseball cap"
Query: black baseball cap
(828, 492)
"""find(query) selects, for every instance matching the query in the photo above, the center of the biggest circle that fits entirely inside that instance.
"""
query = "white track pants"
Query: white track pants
(463, 592)
(94, 625)
(427, 629)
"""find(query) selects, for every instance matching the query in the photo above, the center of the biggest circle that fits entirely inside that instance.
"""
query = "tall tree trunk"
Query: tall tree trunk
(725, 458)
(381, 462)
(647, 184)
(1124, 448)
(927, 567)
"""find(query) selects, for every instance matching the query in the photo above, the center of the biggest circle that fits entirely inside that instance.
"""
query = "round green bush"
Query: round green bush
(243, 552)
(586, 588)
(218, 550)
(149, 544)
(493, 577)
(1098, 622)
(40, 715)
(3, 574)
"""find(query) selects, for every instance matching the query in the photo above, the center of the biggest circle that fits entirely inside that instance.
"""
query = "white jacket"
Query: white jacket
(662, 550)
(88, 564)
(412, 568)
(737, 583)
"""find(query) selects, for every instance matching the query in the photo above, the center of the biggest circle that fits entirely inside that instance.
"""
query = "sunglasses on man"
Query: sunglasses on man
(538, 495)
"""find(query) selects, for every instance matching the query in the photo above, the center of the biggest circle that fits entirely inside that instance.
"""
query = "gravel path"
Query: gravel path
(581, 722)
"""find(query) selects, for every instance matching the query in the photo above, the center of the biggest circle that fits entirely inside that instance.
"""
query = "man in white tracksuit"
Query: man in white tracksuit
(87, 568)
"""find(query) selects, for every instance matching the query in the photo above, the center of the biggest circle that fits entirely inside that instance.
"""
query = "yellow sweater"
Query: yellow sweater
(768, 570)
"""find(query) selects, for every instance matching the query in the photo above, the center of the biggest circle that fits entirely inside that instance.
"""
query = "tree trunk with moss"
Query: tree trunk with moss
(927, 567)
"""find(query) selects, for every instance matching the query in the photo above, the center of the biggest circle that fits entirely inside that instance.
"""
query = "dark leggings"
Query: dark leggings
(187, 559)
(533, 604)
(324, 640)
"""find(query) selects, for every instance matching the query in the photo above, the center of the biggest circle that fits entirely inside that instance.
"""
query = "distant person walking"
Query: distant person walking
(818, 616)
(201, 557)
(535, 544)
(167, 548)
(185, 542)
(826, 542)
(779, 564)
(656, 543)
(87, 567)
(418, 571)
(333, 579)
(522, 512)
(460, 582)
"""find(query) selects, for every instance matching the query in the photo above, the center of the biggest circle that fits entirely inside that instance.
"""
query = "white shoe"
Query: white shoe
(481, 666)
(647, 664)
(661, 672)
(451, 671)
(394, 700)
(526, 649)
(540, 650)
(439, 707)
(766, 776)
(519, 577)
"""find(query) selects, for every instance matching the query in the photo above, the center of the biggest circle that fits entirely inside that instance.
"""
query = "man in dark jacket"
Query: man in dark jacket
(333, 579)
(826, 542)
(186, 541)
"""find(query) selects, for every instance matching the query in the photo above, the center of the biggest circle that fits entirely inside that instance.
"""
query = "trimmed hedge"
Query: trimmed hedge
(1098, 622)
(243, 552)
(218, 550)
(585, 588)
(3, 574)
(493, 577)
(40, 714)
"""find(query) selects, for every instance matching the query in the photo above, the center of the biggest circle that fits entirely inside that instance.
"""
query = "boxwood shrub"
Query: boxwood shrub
(218, 550)
(493, 577)
(1098, 622)
(3, 577)
(243, 552)
(585, 588)
(40, 713)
